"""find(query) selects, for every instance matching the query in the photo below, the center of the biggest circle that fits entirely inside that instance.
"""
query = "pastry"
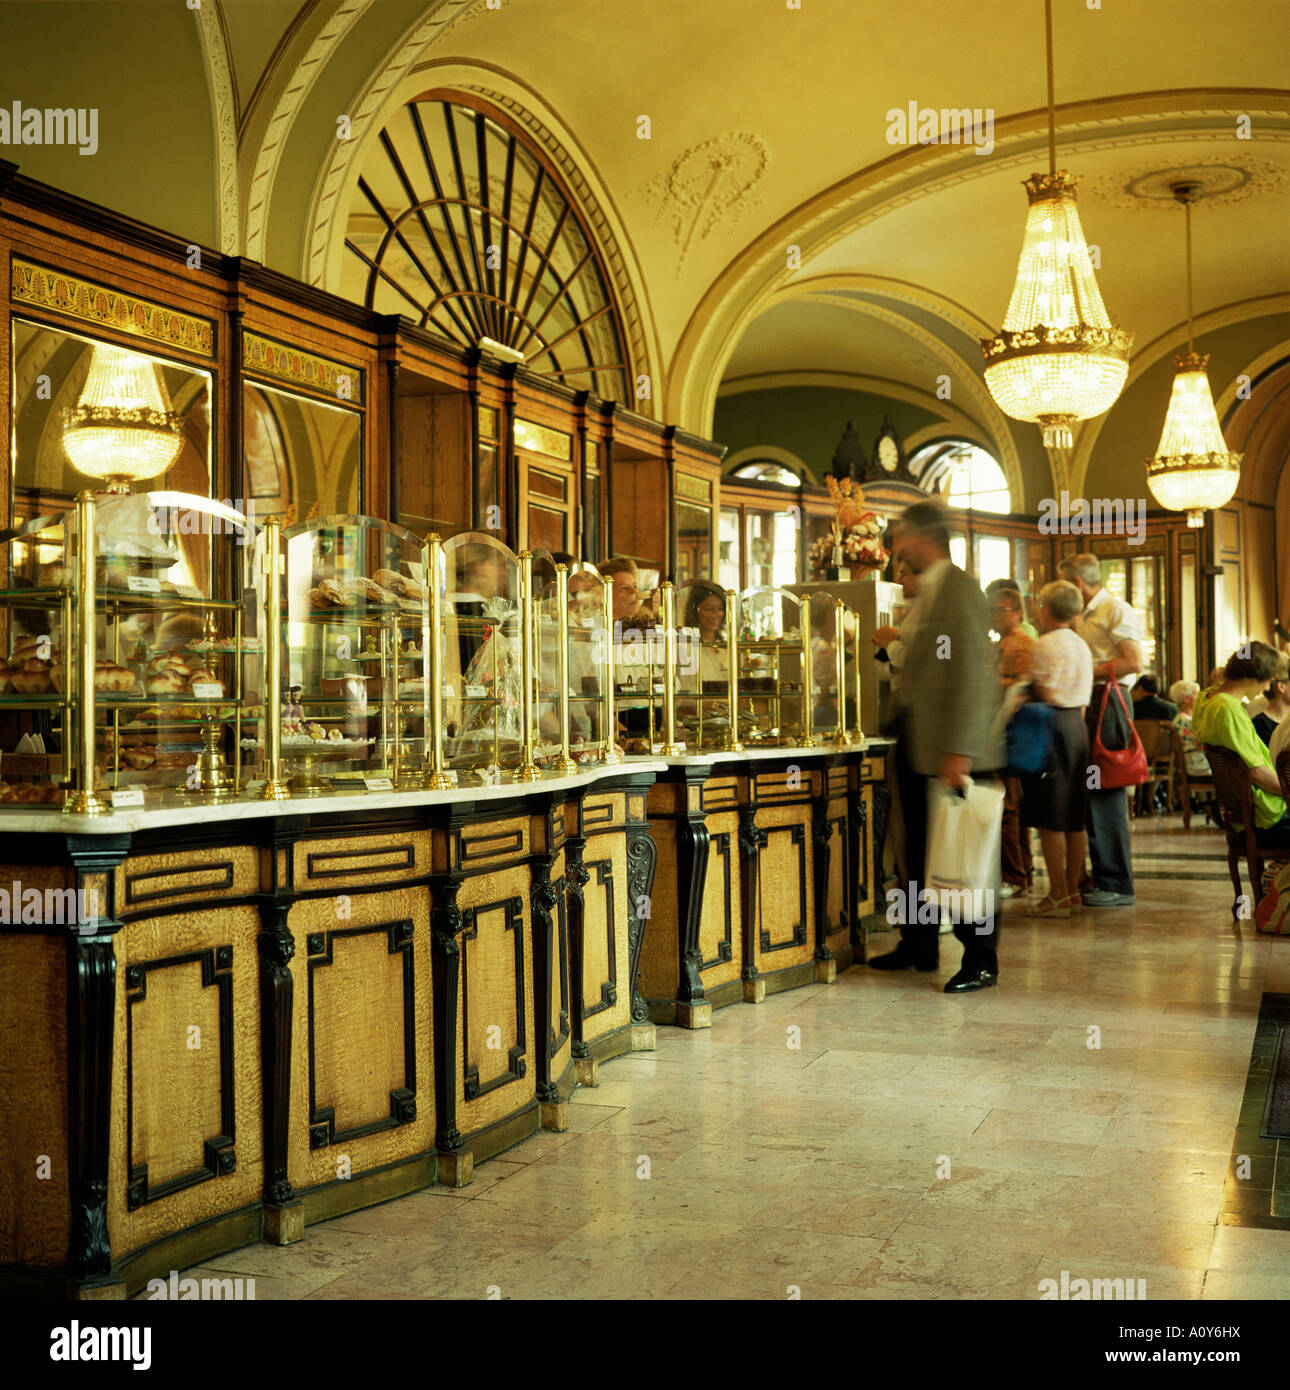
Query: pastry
(109, 676)
(399, 585)
(360, 590)
(179, 629)
(165, 683)
(27, 648)
(316, 732)
(172, 758)
(140, 759)
(327, 594)
(335, 736)
(32, 679)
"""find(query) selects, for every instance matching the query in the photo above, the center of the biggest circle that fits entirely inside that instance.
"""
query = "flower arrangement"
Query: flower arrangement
(854, 540)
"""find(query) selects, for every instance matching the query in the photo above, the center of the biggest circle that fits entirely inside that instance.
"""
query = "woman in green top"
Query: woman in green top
(1220, 719)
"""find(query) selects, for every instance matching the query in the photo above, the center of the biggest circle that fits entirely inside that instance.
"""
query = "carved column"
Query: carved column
(456, 1163)
(91, 1018)
(752, 839)
(692, 845)
(821, 833)
(283, 1212)
(544, 895)
(642, 856)
(856, 880)
(576, 878)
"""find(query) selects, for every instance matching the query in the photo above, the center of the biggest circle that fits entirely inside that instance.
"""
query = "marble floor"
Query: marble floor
(879, 1139)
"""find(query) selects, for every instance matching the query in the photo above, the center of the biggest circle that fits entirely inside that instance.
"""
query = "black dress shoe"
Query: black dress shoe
(970, 979)
(901, 959)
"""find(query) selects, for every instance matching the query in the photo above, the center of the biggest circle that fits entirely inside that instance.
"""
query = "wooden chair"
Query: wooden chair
(1235, 806)
(1189, 782)
(1158, 738)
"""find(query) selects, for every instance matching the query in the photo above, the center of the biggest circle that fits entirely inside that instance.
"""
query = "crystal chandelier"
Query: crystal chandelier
(1058, 358)
(122, 428)
(1192, 470)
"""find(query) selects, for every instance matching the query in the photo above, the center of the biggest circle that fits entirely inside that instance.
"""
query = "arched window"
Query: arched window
(764, 471)
(964, 474)
(459, 223)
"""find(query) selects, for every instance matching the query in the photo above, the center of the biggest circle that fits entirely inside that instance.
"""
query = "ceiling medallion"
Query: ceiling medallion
(1215, 179)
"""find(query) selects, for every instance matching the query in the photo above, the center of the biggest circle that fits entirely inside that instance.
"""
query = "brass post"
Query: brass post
(671, 749)
(840, 657)
(732, 658)
(528, 770)
(607, 716)
(565, 763)
(275, 787)
(804, 612)
(85, 801)
(437, 778)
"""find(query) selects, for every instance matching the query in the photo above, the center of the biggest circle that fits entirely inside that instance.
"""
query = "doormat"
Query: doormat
(1257, 1191)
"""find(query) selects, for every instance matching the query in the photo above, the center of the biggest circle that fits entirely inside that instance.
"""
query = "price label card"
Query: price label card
(207, 690)
(448, 690)
(128, 796)
(378, 784)
(141, 584)
(476, 692)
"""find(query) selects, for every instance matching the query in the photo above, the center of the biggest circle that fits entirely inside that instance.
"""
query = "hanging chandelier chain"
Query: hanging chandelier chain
(1052, 107)
(1191, 346)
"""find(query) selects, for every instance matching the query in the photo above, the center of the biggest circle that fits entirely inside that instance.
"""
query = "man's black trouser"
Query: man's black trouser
(980, 940)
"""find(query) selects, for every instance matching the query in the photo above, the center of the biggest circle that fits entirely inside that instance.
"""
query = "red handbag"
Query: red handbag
(1120, 767)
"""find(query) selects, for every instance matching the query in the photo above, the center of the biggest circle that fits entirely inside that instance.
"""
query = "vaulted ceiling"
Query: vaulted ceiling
(733, 164)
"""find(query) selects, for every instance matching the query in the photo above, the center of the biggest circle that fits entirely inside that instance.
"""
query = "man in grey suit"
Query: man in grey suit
(941, 717)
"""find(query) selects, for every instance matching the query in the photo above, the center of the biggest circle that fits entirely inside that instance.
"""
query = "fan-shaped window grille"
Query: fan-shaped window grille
(964, 474)
(767, 472)
(459, 225)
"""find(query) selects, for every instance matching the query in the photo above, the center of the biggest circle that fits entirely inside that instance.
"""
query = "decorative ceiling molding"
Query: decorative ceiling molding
(706, 186)
(222, 95)
(951, 417)
(739, 293)
(1175, 340)
(303, 75)
(1002, 445)
(902, 291)
(1149, 188)
(1225, 403)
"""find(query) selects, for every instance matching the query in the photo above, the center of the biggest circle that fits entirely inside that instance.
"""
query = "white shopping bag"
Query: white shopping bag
(963, 834)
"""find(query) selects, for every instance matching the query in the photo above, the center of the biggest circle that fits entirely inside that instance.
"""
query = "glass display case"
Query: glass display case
(355, 632)
(640, 684)
(480, 682)
(774, 669)
(705, 662)
(589, 605)
(39, 621)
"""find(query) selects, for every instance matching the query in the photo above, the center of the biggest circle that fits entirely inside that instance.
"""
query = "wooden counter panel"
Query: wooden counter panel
(185, 1103)
(606, 990)
(720, 794)
(35, 1197)
(360, 861)
(490, 845)
(786, 917)
(720, 939)
(362, 1091)
(496, 1066)
(150, 883)
(660, 971)
(604, 811)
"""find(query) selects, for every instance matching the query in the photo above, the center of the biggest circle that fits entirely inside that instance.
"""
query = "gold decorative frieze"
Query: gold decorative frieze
(698, 488)
(42, 288)
(264, 357)
(489, 426)
(540, 440)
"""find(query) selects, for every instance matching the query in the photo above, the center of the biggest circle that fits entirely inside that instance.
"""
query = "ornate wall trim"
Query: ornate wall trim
(53, 290)
(264, 357)
(222, 91)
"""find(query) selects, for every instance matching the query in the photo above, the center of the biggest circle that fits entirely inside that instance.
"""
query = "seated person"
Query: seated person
(627, 601)
(705, 612)
(1220, 719)
(1183, 694)
(1147, 703)
(1276, 706)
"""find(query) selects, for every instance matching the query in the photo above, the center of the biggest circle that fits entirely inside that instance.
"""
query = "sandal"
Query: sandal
(1074, 902)
(1048, 907)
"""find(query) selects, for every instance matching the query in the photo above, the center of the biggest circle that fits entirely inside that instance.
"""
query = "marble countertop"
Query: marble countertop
(161, 809)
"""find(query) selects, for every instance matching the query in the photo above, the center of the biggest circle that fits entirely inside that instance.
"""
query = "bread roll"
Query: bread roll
(165, 683)
(327, 594)
(33, 679)
(362, 590)
(399, 585)
(140, 759)
(28, 648)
